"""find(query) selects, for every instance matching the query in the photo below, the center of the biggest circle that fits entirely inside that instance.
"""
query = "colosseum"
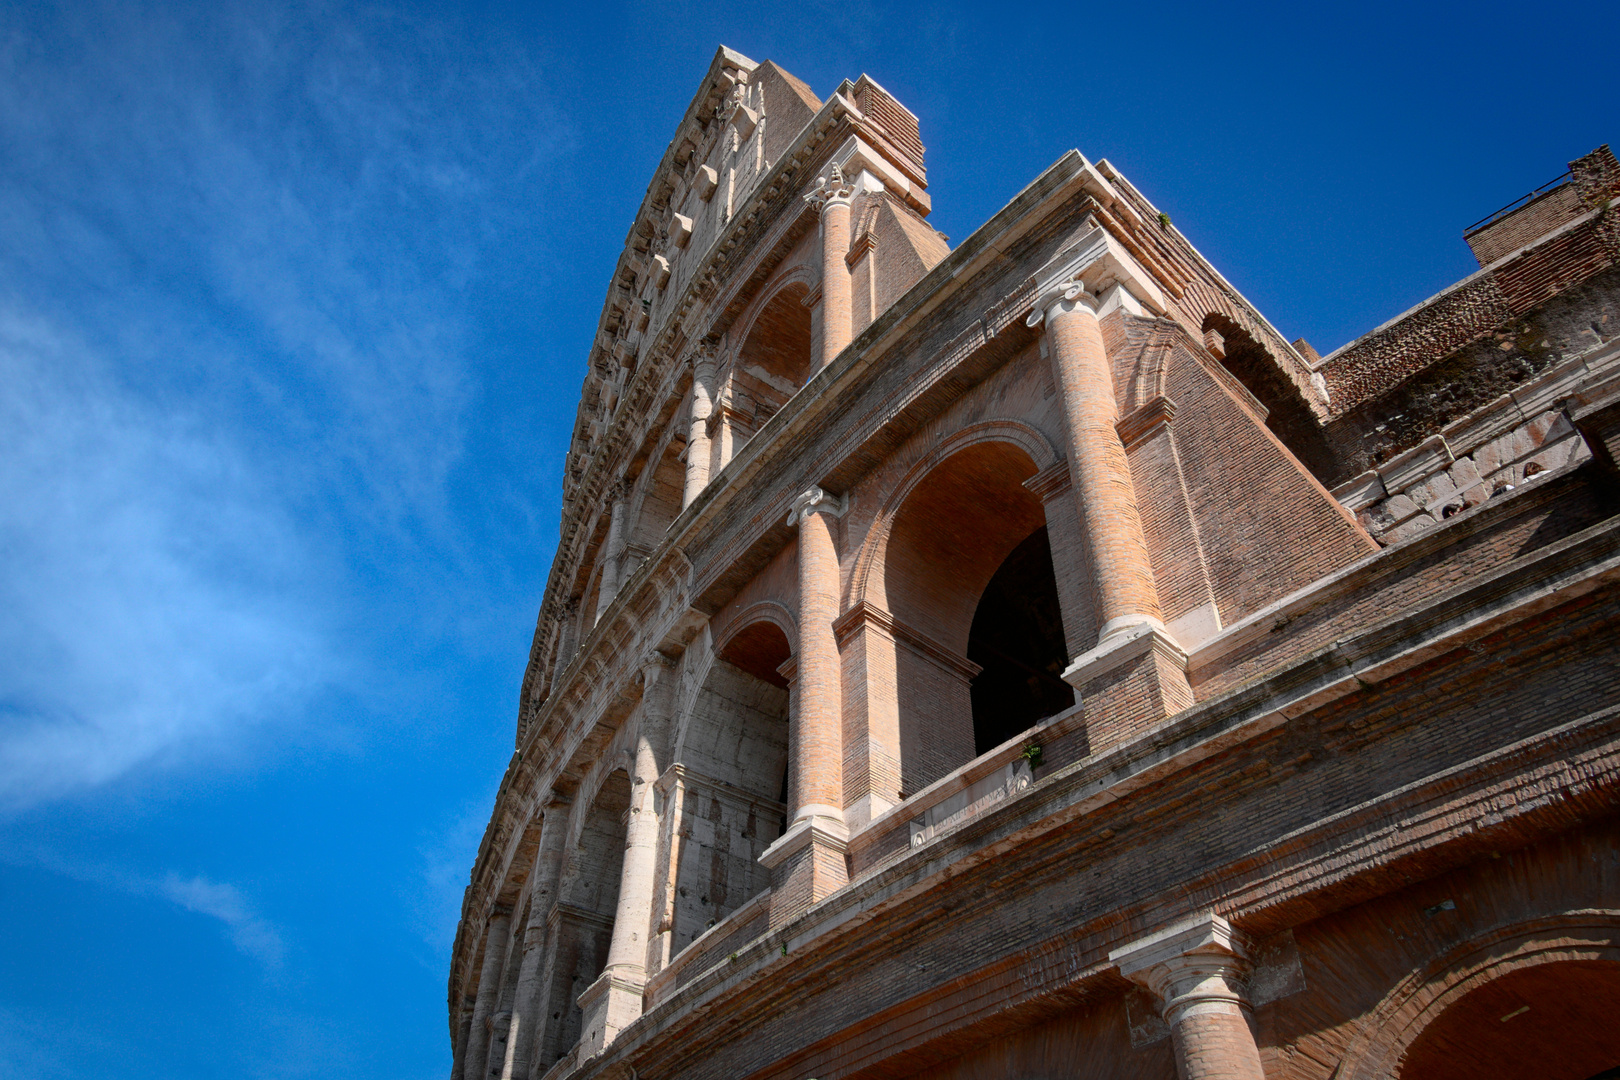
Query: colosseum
(1019, 660)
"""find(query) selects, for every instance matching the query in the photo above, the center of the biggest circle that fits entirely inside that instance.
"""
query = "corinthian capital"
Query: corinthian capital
(832, 188)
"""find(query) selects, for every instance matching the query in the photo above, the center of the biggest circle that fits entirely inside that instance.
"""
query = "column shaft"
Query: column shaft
(815, 741)
(614, 1000)
(608, 585)
(1121, 570)
(523, 1038)
(808, 862)
(697, 437)
(836, 306)
(489, 978)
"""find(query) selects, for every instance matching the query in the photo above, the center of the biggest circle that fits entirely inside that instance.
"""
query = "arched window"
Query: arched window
(773, 363)
(968, 581)
(585, 913)
(733, 783)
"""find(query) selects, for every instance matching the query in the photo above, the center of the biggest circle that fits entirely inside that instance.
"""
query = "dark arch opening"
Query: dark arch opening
(1288, 415)
(1549, 1022)
(1017, 640)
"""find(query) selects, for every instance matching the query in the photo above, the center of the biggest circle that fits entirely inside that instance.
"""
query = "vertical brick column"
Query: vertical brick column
(522, 1039)
(1122, 572)
(613, 1001)
(807, 862)
(489, 977)
(1198, 969)
(833, 198)
(608, 586)
(697, 437)
(1135, 675)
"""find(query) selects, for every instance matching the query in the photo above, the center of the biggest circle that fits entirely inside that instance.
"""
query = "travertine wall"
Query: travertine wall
(750, 831)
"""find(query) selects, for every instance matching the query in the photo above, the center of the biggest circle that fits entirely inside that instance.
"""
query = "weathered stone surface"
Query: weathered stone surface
(952, 666)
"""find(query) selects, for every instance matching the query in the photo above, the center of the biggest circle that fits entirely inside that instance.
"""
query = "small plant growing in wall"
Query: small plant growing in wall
(1032, 754)
(1164, 220)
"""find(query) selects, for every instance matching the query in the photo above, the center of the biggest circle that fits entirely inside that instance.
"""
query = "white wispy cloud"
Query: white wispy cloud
(234, 336)
(252, 935)
(144, 600)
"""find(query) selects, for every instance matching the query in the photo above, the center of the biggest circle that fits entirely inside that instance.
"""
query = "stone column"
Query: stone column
(833, 197)
(608, 585)
(613, 1001)
(807, 862)
(697, 437)
(458, 1048)
(1136, 673)
(522, 1038)
(489, 978)
(1198, 969)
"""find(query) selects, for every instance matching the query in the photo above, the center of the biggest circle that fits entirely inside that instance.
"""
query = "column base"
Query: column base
(808, 863)
(610, 1004)
(1134, 678)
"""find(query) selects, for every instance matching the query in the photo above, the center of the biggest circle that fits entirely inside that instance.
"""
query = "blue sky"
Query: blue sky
(294, 309)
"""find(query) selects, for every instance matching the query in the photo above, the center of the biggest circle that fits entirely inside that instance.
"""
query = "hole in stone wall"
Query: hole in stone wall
(1017, 639)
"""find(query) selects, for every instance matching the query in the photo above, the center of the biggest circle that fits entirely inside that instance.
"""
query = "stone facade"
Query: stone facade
(955, 663)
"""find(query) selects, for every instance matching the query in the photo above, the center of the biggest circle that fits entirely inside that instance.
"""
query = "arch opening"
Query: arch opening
(773, 362)
(1552, 1021)
(968, 644)
(1017, 640)
(585, 916)
(734, 759)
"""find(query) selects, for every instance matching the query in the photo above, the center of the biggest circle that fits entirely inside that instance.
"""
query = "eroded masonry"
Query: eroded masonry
(1019, 660)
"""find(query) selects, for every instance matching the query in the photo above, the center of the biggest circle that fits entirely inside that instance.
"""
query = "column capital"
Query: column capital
(1060, 298)
(1199, 961)
(816, 501)
(831, 190)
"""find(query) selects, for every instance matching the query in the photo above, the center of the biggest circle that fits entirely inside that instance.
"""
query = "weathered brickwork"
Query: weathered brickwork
(954, 665)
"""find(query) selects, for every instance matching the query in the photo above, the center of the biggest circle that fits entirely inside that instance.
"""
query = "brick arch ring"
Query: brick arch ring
(768, 611)
(759, 611)
(1388, 1030)
(1015, 432)
(799, 275)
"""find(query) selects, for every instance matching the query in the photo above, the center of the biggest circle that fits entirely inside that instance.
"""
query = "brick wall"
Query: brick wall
(1528, 223)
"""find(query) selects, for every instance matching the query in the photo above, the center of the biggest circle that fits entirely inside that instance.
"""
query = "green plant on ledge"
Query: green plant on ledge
(1032, 754)
(1164, 220)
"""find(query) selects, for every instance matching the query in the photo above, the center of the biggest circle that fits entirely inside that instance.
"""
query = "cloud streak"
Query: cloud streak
(235, 336)
(144, 581)
(252, 935)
